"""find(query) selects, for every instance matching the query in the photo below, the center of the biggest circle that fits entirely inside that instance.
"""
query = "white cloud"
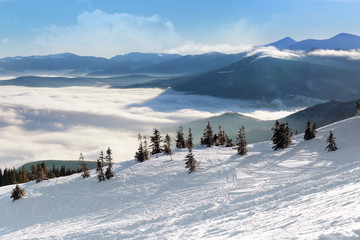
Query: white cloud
(351, 54)
(59, 123)
(102, 34)
(273, 52)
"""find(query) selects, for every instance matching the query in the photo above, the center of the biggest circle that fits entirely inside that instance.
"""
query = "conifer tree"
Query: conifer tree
(83, 166)
(109, 170)
(331, 143)
(207, 138)
(241, 142)
(99, 167)
(155, 141)
(140, 154)
(32, 172)
(220, 138)
(17, 193)
(281, 135)
(190, 163)
(167, 145)
(189, 141)
(357, 108)
(40, 173)
(180, 140)
(228, 141)
(146, 149)
(296, 132)
(309, 132)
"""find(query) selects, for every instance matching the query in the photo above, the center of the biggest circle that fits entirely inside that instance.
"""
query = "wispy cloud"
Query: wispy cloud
(351, 54)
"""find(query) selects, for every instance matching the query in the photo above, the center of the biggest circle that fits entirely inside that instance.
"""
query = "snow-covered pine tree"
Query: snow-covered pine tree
(99, 167)
(83, 166)
(281, 135)
(167, 145)
(180, 140)
(241, 142)
(155, 141)
(220, 137)
(17, 193)
(146, 149)
(190, 163)
(331, 143)
(109, 170)
(189, 141)
(207, 138)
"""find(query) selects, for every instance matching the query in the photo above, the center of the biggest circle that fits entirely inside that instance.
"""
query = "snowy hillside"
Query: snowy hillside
(302, 192)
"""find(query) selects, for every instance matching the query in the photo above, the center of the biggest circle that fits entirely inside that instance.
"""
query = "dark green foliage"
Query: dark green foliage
(189, 140)
(331, 143)
(281, 135)
(99, 167)
(190, 163)
(142, 153)
(241, 142)
(83, 167)
(167, 145)
(155, 141)
(220, 141)
(17, 193)
(310, 133)
(208, 138)
(40, 172)
(109, 172)
(180, 140)
(228, 141)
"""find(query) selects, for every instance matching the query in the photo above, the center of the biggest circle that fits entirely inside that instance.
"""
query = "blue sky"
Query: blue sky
(107, 28)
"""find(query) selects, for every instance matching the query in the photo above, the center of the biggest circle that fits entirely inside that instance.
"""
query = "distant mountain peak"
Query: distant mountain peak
(282, 43)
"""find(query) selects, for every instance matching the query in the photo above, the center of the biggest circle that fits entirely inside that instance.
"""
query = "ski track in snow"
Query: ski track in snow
(302, 192)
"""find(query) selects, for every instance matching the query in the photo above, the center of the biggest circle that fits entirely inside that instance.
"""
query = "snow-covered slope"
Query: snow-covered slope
(302, 192)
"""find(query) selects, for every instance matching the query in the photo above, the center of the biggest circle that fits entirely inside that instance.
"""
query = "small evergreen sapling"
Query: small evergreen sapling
(180, 140)
(331, 143)
(190, 163)
(17, 193)
(83, 166)
(241, 142)
(99, 167)
(109, 172)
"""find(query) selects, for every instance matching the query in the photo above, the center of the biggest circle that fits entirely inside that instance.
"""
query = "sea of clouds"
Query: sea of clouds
(60, 123)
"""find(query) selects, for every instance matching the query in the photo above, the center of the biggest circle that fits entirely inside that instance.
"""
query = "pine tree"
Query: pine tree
(309, 132)
(241, 142)
(17, 193)
(40, 173)
(207, 138)
(32, 172)
(281, 135)
(155, 141)
(190, 163)
(109, 172)
(331, 143)
(83, 166)
(228, 141)
(296, 132)
(189, 141)
(146, 149)
(220, 138)
(99, 167)
(180, 140)
(140, 154)
(167, 145)
(357, 108)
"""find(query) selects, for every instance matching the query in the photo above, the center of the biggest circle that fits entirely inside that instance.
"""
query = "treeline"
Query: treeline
(37, 172)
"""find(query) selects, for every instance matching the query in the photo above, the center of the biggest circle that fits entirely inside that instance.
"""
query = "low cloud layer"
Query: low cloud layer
(61, 123)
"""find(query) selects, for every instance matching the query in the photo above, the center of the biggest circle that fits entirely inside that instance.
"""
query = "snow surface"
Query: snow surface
(302, 192)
